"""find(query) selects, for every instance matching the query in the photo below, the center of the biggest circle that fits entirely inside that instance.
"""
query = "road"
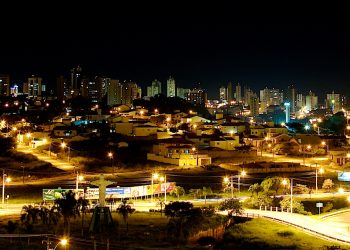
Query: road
(58, 163)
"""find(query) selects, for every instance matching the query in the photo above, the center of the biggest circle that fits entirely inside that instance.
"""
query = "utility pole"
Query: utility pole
(291, 195)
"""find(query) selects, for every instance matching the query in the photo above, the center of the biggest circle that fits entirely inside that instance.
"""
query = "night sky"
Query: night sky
(305, 45)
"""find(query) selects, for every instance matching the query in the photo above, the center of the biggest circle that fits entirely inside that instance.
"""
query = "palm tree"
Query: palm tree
(178, 191)
(206, 191)
(67, 206)
(125, 210)
(161, 204)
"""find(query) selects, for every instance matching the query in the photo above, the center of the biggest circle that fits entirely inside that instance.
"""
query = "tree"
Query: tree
(233, 206)
(67, 206)
(257, 200)
(297, 205)
(178, 191)
(183, 219)
(255, 189)
(328, 184)
(195, 192)
(273, 184)
(161, 204)
(125, 209)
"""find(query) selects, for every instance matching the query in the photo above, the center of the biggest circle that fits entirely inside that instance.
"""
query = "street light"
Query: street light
(284, 182)
(229, 180)
(64, 145)
(321, 171)
(110, 155)
(243, 173)
(163, 179)
(5, 179)
(195, 151)
(155, 176)
(79, 178)
(324, 144)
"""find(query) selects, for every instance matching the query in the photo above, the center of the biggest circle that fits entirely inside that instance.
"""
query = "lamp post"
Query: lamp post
(163, 179)
(284, 182)
(243, 173)
(79, 178)
(64, 145)
(63, 242)
(110, 155)
(324, 144)
(229, 180)
(155, 176)
(5, 179)
(195, 151)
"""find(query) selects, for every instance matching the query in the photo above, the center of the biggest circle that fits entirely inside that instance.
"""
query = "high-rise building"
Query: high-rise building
(311, 102)
(254, 105)
(197, 96)
(61, 88)
(238, 93)
(171, 87)
(223, 94)
(95, 89)
(114, 93)
(333, 101)
(4, 85)
(229, 92)
(182, 93)
(75, 76)
(130, 92)
(287, 110)
(270, 97)
(35, 86)
(300, 103)
(291, 97)
(14, 90)
(155, 88)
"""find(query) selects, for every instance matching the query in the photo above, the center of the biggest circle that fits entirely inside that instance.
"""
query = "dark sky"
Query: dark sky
(257, 46)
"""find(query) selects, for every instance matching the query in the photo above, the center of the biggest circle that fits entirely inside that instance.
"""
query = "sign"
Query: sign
(344, 176)
(319, 204)
(112, 193)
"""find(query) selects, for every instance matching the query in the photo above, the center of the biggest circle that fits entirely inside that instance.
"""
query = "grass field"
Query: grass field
(265, 234)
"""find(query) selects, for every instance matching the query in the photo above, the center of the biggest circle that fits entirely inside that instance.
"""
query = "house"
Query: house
(258, 131)
(225, 143)
(145, 130)
(64, 131)
(194, 119)
(340, 157)
(177, 151)
(233, 128)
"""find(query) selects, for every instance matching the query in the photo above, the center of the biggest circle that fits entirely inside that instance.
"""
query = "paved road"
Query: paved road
(58, 163)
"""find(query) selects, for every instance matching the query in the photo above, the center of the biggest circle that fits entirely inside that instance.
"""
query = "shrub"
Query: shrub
(285, 233)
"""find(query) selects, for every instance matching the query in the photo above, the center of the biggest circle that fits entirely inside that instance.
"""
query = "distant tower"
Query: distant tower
(287, 107)
(155, 88)
(114, 92)
(75, 74)
(291, 97)
(60, 87)
(223, 93)
(35, 86)
(238, 93)
(229, 92)
(171, 87)
(4, 85)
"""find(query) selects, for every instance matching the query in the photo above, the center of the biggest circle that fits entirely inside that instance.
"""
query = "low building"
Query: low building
(225, 143)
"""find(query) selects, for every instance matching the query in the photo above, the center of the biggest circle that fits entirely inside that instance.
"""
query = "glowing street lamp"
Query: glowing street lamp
(155, 176)
(63, 242)
(5, 179)
(285, 182)
(79, 178)
(110, 155)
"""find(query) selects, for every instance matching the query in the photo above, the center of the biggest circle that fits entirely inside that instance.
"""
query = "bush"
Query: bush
(285, 233)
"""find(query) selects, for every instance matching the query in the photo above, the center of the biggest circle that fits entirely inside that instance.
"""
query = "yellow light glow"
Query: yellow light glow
(284, 182)
(8, 179)
(64, 242)
(161, 178)
(323, 143)
(29, 135)
(155, 176)
(110, 154)
(14, 129)
(341, 190)
(243, 173)
(81, 178)
(226, 179)
(321, 171)
(63, 144)
(308, 147)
